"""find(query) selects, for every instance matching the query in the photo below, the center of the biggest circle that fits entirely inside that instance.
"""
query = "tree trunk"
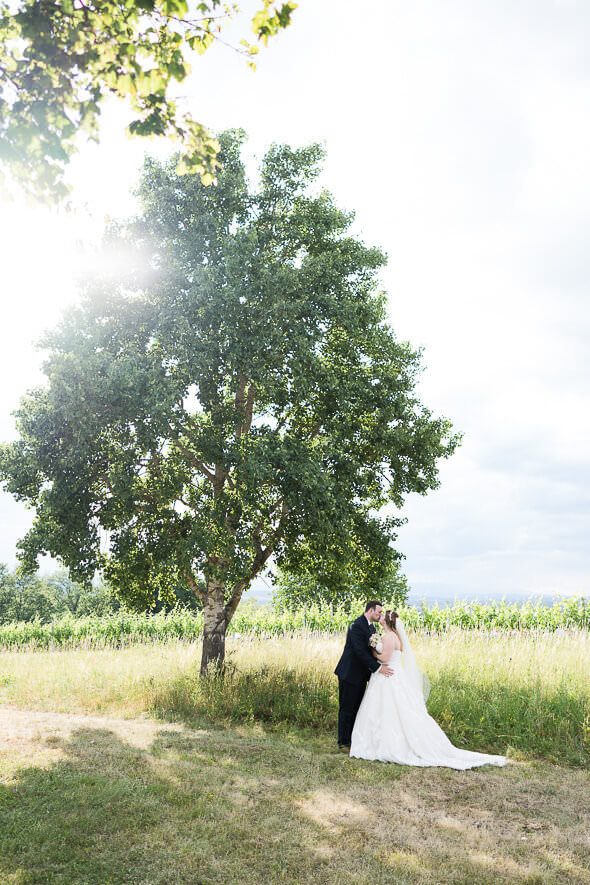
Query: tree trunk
(214, 627)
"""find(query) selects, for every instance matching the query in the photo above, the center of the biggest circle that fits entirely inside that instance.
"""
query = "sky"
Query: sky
(459, 133)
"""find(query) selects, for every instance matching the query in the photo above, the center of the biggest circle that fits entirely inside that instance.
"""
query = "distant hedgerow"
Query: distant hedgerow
(127, 628)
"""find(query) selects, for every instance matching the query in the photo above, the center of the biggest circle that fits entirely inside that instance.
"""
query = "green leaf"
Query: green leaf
(58, 55)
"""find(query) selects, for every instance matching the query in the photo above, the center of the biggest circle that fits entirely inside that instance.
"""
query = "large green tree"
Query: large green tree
(237, 394)
(59, 60)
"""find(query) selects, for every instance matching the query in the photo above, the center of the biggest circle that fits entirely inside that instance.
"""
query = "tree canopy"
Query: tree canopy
(238, 393)
(294, 591)
(60, 60)
(34, 598)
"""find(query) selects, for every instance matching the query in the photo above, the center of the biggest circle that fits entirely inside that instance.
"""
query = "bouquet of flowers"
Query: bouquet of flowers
(375, 642)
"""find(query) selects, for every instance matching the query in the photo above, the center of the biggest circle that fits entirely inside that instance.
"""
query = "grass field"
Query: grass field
(119, 766)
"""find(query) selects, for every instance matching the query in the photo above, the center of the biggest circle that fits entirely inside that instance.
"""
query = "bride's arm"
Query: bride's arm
(385, 653)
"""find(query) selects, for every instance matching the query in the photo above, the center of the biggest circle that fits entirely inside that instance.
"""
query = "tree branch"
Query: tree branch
(219, 478)
(244, 405)
(193, 459)
(234, 599)
(261, 557)
(245, 428)
(194, 586)
(240, 393)
(256, 539)
(276, 535)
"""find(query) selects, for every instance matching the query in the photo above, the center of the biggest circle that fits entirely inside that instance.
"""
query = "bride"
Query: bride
(393, 724)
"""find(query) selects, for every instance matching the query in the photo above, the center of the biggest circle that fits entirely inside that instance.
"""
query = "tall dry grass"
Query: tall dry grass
(525, 695)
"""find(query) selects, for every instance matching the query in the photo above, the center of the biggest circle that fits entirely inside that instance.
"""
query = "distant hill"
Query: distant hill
(262, 593)
(442, 600)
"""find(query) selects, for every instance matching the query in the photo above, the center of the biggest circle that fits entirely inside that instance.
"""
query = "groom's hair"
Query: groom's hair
(372, 604)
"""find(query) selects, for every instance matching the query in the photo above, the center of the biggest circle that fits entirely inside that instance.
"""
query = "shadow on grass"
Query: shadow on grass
(231, 807)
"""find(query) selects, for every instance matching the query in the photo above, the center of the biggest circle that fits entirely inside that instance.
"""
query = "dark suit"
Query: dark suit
(353, 671)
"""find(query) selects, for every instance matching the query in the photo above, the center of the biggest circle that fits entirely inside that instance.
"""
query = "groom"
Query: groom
(354, 668)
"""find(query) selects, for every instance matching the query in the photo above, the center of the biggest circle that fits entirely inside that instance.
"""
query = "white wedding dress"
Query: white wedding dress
(393, 725)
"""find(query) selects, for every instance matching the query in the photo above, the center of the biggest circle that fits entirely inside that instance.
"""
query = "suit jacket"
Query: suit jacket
(357, 663)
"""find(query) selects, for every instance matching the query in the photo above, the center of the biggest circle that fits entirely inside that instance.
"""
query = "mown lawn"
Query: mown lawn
(99, 800)
(120, 766)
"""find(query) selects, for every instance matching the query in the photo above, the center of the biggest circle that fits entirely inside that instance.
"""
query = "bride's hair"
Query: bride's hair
(390, 619)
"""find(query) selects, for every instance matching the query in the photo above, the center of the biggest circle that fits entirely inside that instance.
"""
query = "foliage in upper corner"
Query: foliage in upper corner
(60, 60)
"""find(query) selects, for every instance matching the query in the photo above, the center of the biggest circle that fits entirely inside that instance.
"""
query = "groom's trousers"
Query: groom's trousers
(350, 695)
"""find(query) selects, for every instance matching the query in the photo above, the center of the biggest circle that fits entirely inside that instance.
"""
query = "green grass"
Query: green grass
(528, 698)
(276, 698)
(530, 694)
(91, 804)
(521, 695)
(238, 780)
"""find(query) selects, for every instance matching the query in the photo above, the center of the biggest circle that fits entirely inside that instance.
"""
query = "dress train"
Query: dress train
(393, 725)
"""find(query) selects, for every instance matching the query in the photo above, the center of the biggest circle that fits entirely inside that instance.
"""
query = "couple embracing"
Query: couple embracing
(387, 719)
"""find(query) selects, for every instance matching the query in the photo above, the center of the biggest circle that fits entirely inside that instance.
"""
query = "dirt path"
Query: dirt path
(22, 730)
